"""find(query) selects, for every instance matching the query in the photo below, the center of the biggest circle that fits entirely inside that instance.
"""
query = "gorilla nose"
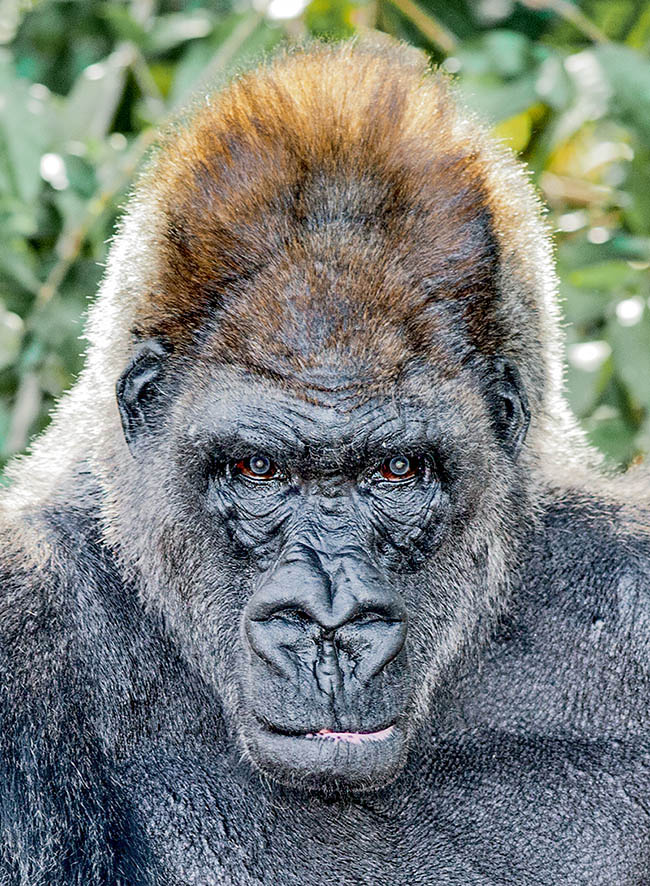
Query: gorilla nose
(324, 619)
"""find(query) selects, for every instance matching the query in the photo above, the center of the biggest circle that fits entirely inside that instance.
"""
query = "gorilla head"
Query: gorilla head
(326, 304)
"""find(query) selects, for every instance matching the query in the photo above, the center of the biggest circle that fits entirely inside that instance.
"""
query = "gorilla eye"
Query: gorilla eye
(257, 467)
(399, 468)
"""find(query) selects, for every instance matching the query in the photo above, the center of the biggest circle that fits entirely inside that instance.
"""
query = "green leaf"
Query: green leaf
(633, 248)
(631, 353)
(17, 262)
(23, 138)
(585, 388)
(197, 56)
(177, 28)
(628, 74)
(11, 337)
(330, 18)
(509, 52)
(614, 437)
(81, 175)
(123, 23)
(496, 102)
(606, 276)
(91, 105)
(637, 213)
(576, 252)
(553, 85)
(639, 35)
(583, 307)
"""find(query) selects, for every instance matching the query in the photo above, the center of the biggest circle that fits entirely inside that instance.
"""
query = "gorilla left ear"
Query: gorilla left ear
(510, 405)
(136, 389)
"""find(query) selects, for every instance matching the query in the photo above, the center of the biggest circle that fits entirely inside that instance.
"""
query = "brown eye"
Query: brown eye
(257, 467)
(398, 468)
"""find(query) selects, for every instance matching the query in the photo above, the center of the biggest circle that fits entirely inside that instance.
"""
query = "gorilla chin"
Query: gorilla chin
(329, 761)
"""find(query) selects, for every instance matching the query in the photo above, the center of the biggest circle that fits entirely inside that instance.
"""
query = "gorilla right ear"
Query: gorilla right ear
(136, 389)
(509, 404)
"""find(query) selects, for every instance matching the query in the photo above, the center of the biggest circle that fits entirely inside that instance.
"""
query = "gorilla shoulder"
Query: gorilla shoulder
(578, 633)
(599, 555)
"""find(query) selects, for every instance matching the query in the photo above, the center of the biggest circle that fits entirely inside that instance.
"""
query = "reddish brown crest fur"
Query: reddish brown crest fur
(335, 191)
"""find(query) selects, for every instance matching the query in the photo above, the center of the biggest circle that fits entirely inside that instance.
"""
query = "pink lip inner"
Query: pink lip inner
(352, 737)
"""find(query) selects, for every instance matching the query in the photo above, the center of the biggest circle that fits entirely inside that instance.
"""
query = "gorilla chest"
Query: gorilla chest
(208, 827)
(531, 814)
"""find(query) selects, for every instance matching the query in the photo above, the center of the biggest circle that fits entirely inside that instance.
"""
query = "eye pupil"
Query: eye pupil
(399, 465)
(256, 467)
(260, 464)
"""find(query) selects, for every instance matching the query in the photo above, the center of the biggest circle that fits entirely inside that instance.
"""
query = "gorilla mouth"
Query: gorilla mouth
(351, 737)
(327, 758)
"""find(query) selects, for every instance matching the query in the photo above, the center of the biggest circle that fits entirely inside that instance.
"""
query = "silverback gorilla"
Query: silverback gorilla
(313, 578)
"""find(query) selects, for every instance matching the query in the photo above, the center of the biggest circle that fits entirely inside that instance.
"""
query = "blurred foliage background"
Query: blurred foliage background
(84, 83)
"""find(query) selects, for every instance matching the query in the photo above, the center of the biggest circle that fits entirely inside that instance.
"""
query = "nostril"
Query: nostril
(288, 614)
(376, 615)
(294, 615)
(278, 632)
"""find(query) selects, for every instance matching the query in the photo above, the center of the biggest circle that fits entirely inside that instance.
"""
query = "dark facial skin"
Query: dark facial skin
(328, 529)
(319, 511)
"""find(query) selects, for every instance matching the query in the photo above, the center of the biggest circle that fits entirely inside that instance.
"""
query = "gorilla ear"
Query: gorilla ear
(510, 405)
(136, 389)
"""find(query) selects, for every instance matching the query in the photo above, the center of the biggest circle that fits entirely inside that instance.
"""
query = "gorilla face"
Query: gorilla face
(322, 550)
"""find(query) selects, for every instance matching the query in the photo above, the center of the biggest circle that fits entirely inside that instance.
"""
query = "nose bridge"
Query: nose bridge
(345, 583)
(356, 587)
(329, 588)
(314, 590)
(317, 584)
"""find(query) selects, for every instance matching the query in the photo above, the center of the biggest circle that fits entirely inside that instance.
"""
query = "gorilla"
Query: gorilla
(313, 577)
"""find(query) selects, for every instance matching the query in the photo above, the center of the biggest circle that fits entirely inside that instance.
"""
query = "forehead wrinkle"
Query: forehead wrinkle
(246, 423)
(358, 432)
(344, 423)
(263, 414)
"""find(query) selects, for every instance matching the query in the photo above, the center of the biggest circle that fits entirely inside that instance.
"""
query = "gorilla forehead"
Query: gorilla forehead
(355, 307)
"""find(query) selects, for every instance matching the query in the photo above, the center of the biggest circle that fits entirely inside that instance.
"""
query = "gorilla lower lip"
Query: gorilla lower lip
(351, 737)
(326, 758)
